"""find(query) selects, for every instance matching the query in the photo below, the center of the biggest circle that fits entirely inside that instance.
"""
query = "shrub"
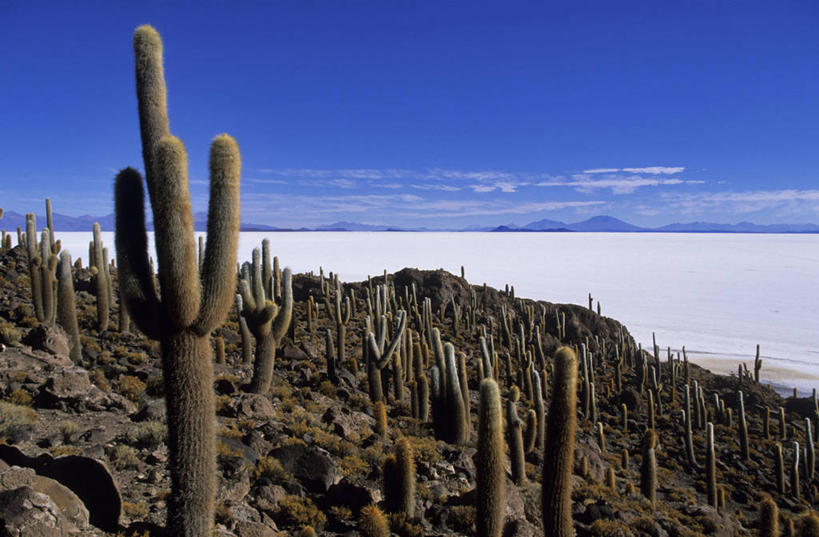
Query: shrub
(131, 387)
(21, 397)
(135, 510)
(125, 457)
(297, 511)
(271, 468)
(148, 434)
(9, 334)
(98, 378)
(69, 430)
(15, 420)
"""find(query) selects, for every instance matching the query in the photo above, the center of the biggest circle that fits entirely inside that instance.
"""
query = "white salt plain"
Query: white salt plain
(718, 294)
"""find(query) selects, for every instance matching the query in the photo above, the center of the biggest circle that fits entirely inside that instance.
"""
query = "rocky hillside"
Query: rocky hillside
(84, 442)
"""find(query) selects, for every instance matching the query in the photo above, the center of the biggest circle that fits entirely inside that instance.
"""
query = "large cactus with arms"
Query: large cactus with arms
(266, 320)
(191, 304)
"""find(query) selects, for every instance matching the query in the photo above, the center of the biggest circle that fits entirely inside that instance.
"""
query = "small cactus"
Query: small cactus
(768, 518)
(648, 470)
(399, 480)
(373, 523)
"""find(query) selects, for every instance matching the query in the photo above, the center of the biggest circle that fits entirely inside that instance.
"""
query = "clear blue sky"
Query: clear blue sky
(430, 113)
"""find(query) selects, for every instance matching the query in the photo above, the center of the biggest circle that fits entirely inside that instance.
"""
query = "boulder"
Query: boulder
(311, 466)
(48, 338)
(24, 511)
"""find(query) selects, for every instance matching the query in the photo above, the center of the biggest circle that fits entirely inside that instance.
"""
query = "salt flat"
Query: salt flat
(717, 294)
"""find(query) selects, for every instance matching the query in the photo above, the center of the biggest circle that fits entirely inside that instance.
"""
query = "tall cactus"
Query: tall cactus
(648, 469)
(380, 353)
(339, 312)
(247, 344)
(266, 320)
(399, 480)
(66, 310)
(710, 466)
(558, 456)
(191, 304)
(100, 280)
(768, 518)
(491, 480)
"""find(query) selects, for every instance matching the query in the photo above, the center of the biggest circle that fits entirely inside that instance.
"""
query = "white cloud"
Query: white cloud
(617, 184)
(442, 187)
(790, 200)
(656, 170)
(651, 170)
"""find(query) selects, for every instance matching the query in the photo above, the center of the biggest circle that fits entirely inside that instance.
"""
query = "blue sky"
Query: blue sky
(430, 113)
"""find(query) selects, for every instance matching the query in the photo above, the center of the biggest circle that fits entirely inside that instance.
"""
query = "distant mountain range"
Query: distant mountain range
(12, 220)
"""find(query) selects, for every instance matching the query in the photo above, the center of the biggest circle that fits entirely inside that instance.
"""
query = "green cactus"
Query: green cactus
(66, 309)
(266, 320)
(455, 408)
(491, 477)
(710, 466)
(743, 428)
(648, 469)
(779, 468)
(100, 281)
(191, 304)
(34, 267)
(558, 455)
(795, 488)
(373, 523)
(379, 353)
(768, 518)
(219, 349)
(339, 313)
(515, 438)
(399, 480)
(247, 344)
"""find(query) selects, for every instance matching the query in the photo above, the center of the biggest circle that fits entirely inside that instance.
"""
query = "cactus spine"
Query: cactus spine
(491, 478)
(192, 304)
(66, 310)
(558, 455)
(266, 320)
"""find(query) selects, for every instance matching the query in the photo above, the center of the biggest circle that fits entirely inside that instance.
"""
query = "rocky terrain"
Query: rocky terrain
(84, 442)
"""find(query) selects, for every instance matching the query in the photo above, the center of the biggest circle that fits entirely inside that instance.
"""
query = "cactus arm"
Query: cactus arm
(267, 271)
(173, 233)
(283, 319)
(383, 358)
(136, 281)
(151, 98)
(248, 302)
(218, 277)
(347, 309)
